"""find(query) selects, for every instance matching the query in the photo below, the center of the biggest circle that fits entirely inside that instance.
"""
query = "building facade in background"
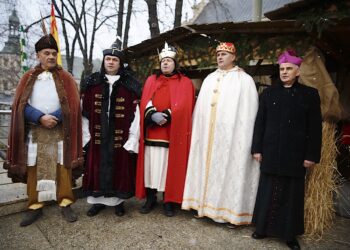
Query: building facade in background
(10, 63)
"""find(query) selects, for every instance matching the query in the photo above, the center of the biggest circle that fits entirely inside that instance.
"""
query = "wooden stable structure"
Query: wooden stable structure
(322, 27)
(196, 45)
(300, 25)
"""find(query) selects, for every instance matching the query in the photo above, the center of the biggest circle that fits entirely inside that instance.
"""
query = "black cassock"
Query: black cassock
(288, 130)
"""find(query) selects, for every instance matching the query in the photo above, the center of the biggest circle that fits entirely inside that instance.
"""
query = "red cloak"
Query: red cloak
(182, 103)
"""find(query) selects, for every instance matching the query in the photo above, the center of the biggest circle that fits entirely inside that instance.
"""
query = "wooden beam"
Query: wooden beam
(254, 30)
(153, 44)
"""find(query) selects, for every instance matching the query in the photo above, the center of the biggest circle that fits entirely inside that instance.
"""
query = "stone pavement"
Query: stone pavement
(137, 231)
(13, 196)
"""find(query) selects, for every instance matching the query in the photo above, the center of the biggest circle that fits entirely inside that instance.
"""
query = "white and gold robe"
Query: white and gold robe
(222, 177)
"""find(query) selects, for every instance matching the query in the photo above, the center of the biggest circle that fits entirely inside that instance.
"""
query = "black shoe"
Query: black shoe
(257, 236)
(148, 206)
(231, 226)
(168, 209)
(293, 244)
(95, 209)
(119, 209)
(68, 214)
(31, 216)
(196, 216)
(151, 201)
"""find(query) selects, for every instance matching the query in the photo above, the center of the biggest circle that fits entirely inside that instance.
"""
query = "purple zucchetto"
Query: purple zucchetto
(289, 56)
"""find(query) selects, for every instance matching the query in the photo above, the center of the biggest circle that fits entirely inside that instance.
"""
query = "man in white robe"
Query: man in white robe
(222, 177)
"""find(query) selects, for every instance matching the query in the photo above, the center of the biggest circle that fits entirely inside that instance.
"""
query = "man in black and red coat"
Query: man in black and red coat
(287, 140)
(111, 122)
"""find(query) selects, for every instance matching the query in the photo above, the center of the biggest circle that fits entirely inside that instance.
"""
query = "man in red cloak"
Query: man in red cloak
(166, 120)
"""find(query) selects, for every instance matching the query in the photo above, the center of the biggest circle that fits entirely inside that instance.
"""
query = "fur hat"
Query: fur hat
(46, 42)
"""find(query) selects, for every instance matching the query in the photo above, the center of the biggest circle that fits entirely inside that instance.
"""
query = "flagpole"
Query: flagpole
(54, 33)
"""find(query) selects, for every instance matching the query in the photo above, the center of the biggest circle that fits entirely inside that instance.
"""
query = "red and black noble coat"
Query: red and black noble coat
(109, 168)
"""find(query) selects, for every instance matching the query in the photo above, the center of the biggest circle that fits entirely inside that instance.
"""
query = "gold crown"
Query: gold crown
(229, 47)
(168, 51)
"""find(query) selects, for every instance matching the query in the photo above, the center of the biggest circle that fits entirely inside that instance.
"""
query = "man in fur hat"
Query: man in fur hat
(222, 178)
(45, 134)
(287, 141)
(111, 116)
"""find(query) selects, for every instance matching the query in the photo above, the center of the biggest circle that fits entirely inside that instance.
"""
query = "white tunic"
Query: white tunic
(156, 165)
(222, 177)
(44, 97)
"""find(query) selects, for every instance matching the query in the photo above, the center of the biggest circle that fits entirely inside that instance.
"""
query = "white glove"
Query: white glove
(159, 118)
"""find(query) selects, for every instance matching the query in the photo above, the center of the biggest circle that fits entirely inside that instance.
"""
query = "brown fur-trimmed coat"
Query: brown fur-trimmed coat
(68, 94)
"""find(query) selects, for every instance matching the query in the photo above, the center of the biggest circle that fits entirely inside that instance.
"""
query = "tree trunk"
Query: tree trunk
(69, 53)
(127, 24)
(120, 22)
(88, 67)
(153, 17)
(178, 13)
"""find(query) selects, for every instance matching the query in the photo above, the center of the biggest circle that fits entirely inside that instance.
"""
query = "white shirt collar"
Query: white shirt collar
(112, 78)
(45, 75)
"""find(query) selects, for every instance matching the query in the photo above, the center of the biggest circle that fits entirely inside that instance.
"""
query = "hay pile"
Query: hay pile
(319, 187)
